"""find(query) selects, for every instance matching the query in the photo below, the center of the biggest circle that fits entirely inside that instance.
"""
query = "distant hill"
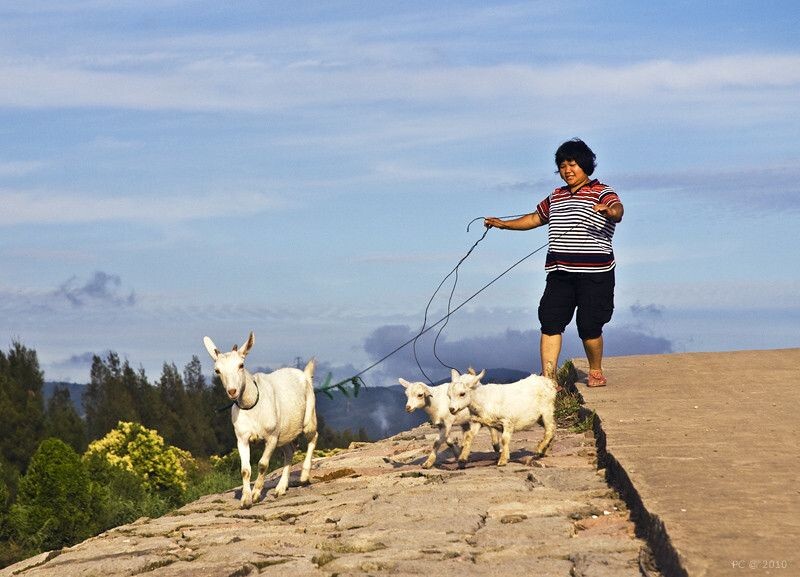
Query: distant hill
(380, 411)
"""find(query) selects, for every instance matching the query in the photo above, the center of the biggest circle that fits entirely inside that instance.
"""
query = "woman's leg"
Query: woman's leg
(550, 349)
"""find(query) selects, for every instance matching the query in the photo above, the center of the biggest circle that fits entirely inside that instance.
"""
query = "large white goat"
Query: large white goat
(276, 407)
(504, 407)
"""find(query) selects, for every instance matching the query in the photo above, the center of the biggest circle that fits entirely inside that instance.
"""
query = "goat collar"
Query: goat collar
(241, 396)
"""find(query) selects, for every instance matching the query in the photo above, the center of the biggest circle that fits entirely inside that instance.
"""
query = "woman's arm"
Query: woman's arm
(526, 222)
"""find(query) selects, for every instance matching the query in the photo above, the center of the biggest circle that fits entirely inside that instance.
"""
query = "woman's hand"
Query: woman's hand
(613, 213)
(493, 222)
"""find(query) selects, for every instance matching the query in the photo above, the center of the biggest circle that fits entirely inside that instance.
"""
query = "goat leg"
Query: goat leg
(263, 464)
(244, 455)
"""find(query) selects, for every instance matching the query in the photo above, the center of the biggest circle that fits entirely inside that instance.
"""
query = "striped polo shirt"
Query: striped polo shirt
(579, 238)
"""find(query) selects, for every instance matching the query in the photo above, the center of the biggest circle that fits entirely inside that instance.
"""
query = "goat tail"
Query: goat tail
(309, 370)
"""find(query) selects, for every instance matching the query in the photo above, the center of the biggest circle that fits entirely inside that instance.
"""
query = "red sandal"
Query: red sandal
(596, 379)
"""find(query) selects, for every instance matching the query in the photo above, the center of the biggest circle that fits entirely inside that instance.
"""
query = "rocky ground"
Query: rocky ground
(372, 510)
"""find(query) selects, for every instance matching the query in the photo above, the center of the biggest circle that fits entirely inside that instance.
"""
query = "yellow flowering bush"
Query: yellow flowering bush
(130, 446)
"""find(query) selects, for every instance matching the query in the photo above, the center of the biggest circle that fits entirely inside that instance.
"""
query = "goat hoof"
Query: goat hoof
(427, 464)
(462, 464)
(245, 505)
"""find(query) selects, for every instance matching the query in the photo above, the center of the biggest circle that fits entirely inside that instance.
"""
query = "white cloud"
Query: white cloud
(19, 168)
(46, 207)
(731, 192)
(720, 295)
(512, 349)
(259, 83)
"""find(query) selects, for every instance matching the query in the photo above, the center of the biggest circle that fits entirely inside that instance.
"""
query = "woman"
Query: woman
(581, 219)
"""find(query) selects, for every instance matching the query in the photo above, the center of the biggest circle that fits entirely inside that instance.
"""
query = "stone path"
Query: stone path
(709, 445)
(373, 511)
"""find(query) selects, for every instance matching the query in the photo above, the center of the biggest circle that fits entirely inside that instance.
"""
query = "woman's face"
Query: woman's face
(572, 174)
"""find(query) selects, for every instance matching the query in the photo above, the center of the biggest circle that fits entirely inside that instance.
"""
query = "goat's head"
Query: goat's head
(230, 366)
(417, 395)
(460, 389)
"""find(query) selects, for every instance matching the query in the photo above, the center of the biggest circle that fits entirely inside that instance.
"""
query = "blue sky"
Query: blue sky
(175, 169)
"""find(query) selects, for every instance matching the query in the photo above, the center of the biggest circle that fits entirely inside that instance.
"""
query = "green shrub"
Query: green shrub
(130, 446)
(230, 463)
(119, 495)
(53, 507)
(217, 475)
(567, 375)
(5, 497)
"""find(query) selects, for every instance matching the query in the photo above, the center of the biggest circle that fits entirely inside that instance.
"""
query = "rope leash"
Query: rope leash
(450, 298)
(357, 383)
(450, 313)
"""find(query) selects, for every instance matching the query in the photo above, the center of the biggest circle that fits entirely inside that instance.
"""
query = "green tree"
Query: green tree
(173, 409)
(220, 421)
(110, 395)
(53, 507)
(5, 498)
(119, 495)
(21, 405)
(193, 376)
(144, 396)
(200, 413)
(63, 422)
(10, 552)
(333, 439)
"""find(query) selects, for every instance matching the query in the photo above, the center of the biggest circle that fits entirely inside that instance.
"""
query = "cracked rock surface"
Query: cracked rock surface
(372, 510)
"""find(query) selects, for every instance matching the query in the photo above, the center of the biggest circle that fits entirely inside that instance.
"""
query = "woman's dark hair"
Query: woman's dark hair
(577, 150)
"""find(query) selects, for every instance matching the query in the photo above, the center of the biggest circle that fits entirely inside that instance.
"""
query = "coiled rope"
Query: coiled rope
(446, 318)
(356, 380)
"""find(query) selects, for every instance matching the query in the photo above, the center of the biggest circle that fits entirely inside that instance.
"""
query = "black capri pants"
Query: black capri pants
(591, 293)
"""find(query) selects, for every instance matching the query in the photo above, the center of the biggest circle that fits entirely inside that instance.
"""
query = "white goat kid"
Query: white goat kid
(434, 401)
(276, 407)
(504, 407)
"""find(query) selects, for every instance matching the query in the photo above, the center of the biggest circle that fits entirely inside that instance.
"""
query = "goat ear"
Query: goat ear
(404, 382)
(454, 374)
(248, 345)
(211, 348)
